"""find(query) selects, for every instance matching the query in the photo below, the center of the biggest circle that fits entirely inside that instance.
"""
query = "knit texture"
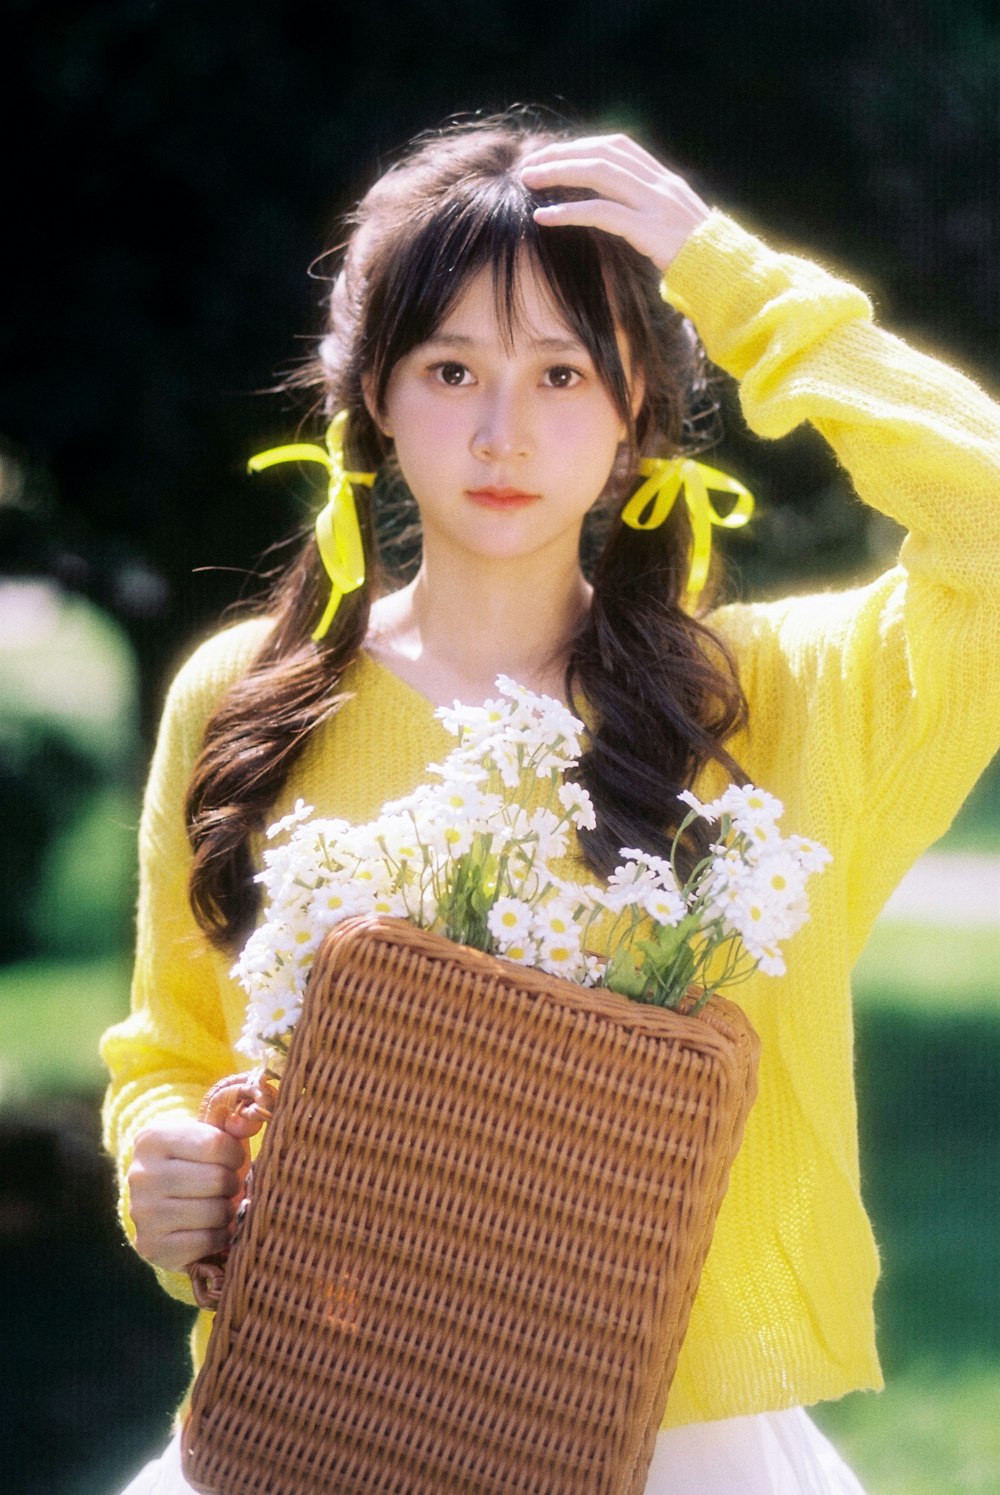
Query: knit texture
(872, 713)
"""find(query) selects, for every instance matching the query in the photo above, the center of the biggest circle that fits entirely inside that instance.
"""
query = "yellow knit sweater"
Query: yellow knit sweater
(872, 713)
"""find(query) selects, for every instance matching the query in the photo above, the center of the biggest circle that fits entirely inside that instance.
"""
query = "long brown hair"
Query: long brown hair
(663, 689)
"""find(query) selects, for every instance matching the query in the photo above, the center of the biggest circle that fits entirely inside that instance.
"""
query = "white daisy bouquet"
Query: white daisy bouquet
(464, 856)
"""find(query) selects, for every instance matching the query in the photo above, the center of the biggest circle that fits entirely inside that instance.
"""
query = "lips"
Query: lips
(501, 498)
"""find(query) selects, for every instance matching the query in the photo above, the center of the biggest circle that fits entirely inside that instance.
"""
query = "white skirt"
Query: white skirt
(771, 1453)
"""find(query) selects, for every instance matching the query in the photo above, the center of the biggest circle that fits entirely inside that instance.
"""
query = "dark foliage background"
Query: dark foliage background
(172, 169)
(176, 167)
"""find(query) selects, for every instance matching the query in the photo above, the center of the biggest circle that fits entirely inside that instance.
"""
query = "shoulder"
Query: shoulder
(218, 662)
(203, 679)
(737, 290)
(194, 693)
(800, 630)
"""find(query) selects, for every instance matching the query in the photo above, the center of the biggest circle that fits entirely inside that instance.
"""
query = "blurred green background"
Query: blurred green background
(176, 168)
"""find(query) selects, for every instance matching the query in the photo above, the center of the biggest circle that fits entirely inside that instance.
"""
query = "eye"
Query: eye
(562, 376)
(451, 373)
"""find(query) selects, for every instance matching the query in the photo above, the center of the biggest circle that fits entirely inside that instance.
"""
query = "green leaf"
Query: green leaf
(625, 974)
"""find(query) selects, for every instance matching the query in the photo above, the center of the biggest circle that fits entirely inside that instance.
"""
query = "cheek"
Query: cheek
(587, 455)
(594, 432)
(430, 445)
(426, 436)
(415, 409)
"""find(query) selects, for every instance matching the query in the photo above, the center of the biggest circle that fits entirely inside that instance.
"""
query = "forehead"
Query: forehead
(524, 310)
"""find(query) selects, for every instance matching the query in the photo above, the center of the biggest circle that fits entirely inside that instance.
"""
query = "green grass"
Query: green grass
(84, 905)
(54, 1009)
(977, 825)
(927, 1433)
(921, 967)
(51, 1015)
(928, 1062)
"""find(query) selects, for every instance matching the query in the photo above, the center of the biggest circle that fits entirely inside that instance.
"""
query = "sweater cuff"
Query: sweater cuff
(176, 1285)
(724, 279)
(120, 1139)
(712, 255)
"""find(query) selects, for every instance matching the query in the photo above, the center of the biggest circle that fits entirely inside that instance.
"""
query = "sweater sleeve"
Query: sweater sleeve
(908, 668)
(175, 1044)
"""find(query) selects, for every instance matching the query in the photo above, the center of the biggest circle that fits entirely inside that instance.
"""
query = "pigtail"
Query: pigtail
(663, 691)
(258, 731)
(662, 688)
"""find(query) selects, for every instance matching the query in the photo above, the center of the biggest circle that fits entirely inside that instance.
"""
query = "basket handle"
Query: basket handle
(240, 1105)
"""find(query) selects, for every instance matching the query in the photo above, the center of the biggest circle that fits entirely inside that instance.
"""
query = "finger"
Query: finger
(188, 1141)
(182, 1249)
(181, 1216)
(201, 1214)
(156, 1215)
(553, 170)
(243, 1124)
(187, 1248)
(173, 1185)
(593, 212)
(606, 178)
(173, 1247)
(617, 147)
(201, 1143)
(199, 1181)
(657, 244)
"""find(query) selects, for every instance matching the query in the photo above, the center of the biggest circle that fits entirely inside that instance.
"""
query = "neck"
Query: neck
(449, 635)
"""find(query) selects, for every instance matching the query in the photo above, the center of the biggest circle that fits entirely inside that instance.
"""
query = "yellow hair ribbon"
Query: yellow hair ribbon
(337, 532)
(665, 478)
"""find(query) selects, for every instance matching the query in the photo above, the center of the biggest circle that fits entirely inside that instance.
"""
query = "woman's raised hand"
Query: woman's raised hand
(635, 197)
(185, 1182)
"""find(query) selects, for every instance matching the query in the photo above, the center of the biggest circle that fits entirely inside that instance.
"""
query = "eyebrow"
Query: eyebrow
(541, 344)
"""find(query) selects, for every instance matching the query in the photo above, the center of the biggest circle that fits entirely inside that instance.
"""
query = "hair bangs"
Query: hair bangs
(572, 262)
(480, 225)
(488, 223)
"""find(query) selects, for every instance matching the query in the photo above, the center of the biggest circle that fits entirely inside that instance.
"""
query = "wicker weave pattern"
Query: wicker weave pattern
(479, 1218)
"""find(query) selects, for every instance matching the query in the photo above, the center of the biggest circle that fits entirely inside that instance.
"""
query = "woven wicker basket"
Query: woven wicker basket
(479, 1217)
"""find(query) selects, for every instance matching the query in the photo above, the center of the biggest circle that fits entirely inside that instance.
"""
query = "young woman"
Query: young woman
(511, 334)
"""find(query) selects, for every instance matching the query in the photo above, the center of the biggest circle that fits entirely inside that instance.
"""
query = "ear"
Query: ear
(636, 395)
(637, 392)
(378, 416)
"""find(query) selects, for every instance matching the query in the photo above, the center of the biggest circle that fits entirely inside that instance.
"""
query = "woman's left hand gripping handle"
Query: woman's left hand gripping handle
(239, 1106)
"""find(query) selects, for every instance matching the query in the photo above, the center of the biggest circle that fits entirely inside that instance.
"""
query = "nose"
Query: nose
(502, 431)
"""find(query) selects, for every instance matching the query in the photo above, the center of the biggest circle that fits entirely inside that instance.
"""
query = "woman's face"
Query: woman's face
(504, 442)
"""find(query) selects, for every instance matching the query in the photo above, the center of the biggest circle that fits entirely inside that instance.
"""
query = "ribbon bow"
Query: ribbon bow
(665, 478)
(337, 532)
